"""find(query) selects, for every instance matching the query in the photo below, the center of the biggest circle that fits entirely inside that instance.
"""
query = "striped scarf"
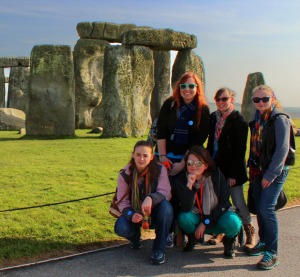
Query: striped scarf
(256, 139)
(221, 119)
(140, 191)
(185, 115)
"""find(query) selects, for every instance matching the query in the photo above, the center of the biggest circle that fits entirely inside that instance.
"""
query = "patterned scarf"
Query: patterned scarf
(140, 190)
(260, 121)
(186, 113)
(206, 198)
(221, 119)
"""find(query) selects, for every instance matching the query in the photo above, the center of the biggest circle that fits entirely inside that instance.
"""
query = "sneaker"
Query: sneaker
(135, 245)
(157, 257)
(258, 249)
(170, 240)
(268, 261)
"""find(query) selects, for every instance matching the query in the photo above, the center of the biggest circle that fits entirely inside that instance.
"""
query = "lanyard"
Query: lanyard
(199, 199)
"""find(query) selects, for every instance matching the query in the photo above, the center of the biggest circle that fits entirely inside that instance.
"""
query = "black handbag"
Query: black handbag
(281, 201)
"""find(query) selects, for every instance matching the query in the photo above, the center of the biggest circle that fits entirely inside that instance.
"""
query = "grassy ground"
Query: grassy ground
(40, 171)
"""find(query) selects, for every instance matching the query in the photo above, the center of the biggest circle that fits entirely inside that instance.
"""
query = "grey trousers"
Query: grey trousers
(238, 200)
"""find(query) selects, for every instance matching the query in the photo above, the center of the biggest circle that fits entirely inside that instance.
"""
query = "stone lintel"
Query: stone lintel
(160, 39)
(110, 32)
(14, 62)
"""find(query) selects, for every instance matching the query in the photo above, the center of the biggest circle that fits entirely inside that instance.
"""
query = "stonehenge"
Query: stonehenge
(116, 77)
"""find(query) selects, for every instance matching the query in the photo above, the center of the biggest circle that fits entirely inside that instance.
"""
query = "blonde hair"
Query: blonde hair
(270, 92)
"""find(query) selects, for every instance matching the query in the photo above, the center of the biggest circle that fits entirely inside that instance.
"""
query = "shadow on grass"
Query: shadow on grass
(16, 251)
(26, 137)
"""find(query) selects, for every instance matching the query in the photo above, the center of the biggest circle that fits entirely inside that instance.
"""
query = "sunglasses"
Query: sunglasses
(263, 99)
(196, 163)
(185, 86)
(223, 99)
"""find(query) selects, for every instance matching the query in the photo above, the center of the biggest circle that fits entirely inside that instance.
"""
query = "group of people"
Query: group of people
(199, 189)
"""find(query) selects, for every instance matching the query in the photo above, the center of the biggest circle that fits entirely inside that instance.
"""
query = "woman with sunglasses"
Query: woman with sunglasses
(227, 144)
(183, 121)
(149, 189)
(268, 170)
(203, 194)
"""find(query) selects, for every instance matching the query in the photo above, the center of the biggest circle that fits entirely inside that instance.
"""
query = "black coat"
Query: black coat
(186, 197)
(166, 124)
(231, 146)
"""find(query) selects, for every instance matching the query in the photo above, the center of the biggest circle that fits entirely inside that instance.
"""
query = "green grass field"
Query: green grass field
(39, 171)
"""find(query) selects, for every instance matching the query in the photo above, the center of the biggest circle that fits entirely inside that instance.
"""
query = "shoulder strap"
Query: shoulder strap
(121, 199)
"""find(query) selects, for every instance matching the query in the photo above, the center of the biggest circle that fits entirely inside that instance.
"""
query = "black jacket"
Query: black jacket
(231, 146)
(166, 123)
(186, 196)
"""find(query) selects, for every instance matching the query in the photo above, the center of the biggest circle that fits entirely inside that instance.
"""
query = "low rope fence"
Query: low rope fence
(73, 200)
(56, 203)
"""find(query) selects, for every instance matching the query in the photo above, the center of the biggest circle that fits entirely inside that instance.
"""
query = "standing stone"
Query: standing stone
(187, 60)
(162, 76)
(247, 108)
(51, 107)
(2, 88)
(88, 64)
(127, 85)
(17, 96)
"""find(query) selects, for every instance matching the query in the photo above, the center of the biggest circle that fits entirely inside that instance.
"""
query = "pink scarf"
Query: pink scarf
(221, 118)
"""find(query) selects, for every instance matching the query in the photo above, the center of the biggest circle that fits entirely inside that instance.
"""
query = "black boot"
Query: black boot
(191, 243)
(229, 247)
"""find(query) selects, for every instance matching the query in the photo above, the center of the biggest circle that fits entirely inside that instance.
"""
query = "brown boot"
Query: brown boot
(215, 239)
(250, 236)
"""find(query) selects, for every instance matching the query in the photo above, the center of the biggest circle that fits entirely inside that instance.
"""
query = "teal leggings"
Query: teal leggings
(229, 224)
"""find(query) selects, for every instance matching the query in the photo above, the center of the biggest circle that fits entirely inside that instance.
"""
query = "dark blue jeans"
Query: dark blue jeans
(161, 220)
(265, 201)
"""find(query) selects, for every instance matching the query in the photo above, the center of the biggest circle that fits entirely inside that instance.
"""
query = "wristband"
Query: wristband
(162, 155)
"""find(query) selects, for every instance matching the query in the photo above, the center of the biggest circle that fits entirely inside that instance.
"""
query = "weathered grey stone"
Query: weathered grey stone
(159, 39)
(2, 88)
(103, 30)
(97, 130)
(88, 63)
(127, 85)
(187, 60)
(162, 76)
(22, 131)
(51, 107)
(247, 108)
(18, 88)
(14, 61)
(84, 29)
(11, 119)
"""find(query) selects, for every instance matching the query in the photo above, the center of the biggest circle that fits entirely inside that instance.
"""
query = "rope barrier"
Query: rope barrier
(56, 203)
(74, 200)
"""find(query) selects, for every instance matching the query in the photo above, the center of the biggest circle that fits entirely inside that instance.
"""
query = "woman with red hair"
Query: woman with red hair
(183, 121)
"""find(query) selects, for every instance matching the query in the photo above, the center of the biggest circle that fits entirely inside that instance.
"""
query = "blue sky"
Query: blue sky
(235, 37)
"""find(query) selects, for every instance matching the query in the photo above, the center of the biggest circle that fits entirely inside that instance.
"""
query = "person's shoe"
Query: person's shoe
(135, 245)
(215, 239)
(229, 247)
(157, 257)
(250, 236)
(257, 250)
(268, 261)
(189, 247)
(170, 240)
